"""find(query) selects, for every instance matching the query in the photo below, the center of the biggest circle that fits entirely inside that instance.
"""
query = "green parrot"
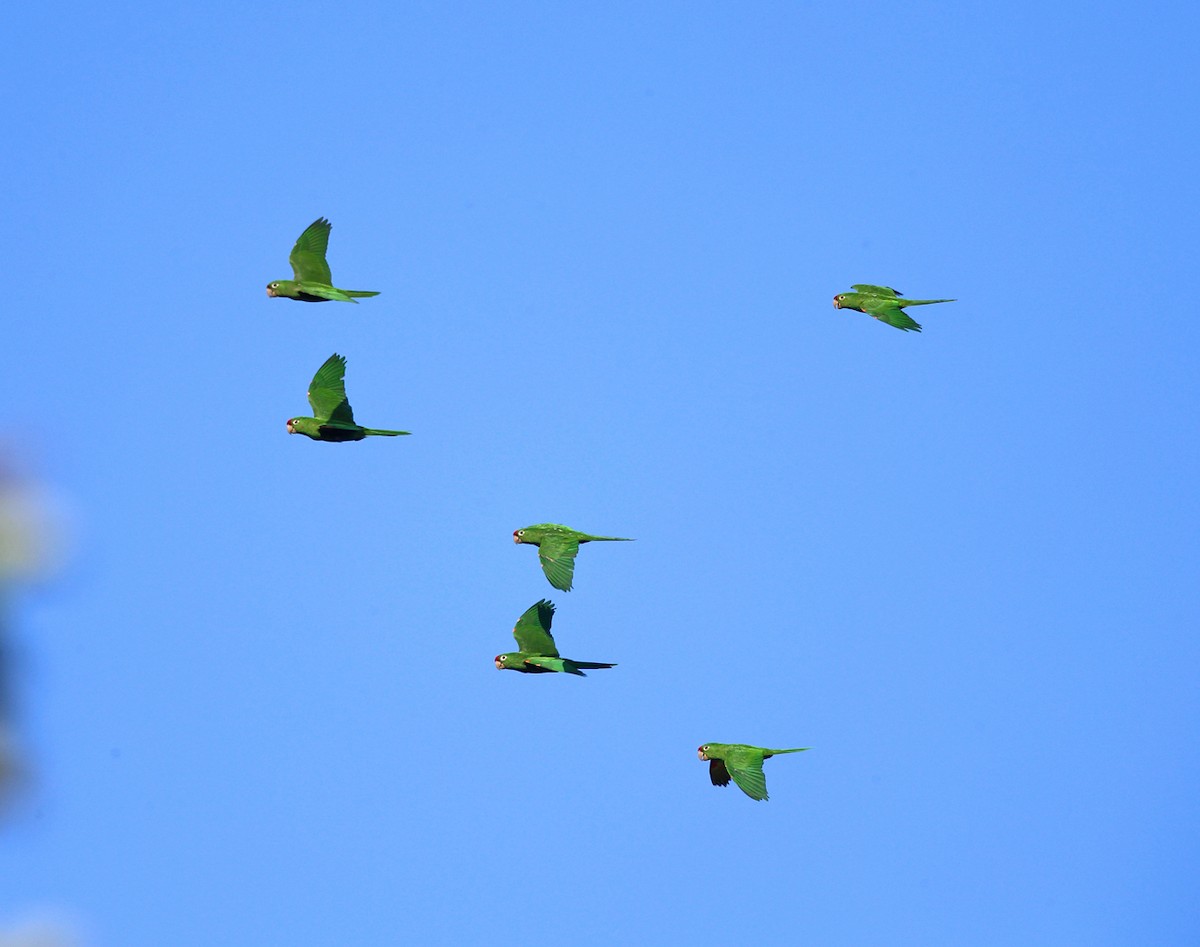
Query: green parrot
(557, 548)
(538, 655)
(334, 420)
(313, 282)
(884, 303)
(741, 762)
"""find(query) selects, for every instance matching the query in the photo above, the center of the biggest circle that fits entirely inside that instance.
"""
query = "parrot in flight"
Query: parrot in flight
(313, 282)
(557, 548)
(334, 420)
(538, 655)
(741, 762)
(884, 303)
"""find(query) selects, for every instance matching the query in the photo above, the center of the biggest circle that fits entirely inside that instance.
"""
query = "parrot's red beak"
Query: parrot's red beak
(700, 753)
(291, 427)
(270, 292)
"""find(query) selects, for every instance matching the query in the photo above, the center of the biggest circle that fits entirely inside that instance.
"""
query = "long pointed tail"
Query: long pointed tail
(608, 539)
(924, 302)
(799, 749)
(573, 667)
(358, 292)
(382, 433)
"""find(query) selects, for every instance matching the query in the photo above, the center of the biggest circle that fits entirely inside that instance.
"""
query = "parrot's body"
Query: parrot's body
(313, 282)
(557, 548)
(884, 304)
(741, 762)
(538, 654)
(334, 420)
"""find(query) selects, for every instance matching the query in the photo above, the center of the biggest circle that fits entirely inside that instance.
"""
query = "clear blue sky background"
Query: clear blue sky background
(961, 565)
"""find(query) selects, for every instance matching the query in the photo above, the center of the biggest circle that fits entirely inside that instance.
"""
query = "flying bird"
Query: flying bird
(334, 420)
(313, 282)
(741, 762)
(884, 303)
(557, 548)
(538, 655)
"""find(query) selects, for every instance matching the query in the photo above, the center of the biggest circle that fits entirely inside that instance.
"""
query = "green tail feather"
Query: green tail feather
(382, 433)
(923, 302)
(361, 292)
(572, 667)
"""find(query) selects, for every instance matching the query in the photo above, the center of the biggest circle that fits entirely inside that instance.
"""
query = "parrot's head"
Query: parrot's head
(837, 300)
(518, 535)
(703, 752)
(271, 289)
(504, 662)
(309, 427)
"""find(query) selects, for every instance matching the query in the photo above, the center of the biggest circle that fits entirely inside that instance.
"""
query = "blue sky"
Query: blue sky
(259, 699)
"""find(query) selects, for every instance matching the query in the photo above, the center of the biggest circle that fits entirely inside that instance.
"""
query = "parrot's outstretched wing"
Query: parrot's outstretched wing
(308, 255)
(327, 392)
(872, 290)
(532, 630)
(746, 770)
(894, 316)
(557, 555)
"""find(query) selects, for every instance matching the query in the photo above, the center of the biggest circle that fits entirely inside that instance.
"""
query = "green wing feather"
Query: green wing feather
(746, 769)
(563, 665)
(533, 629)
(327, 392)
(893, 315)
(308, 255)
(871, 290)
(557, 555)
(325, 291)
